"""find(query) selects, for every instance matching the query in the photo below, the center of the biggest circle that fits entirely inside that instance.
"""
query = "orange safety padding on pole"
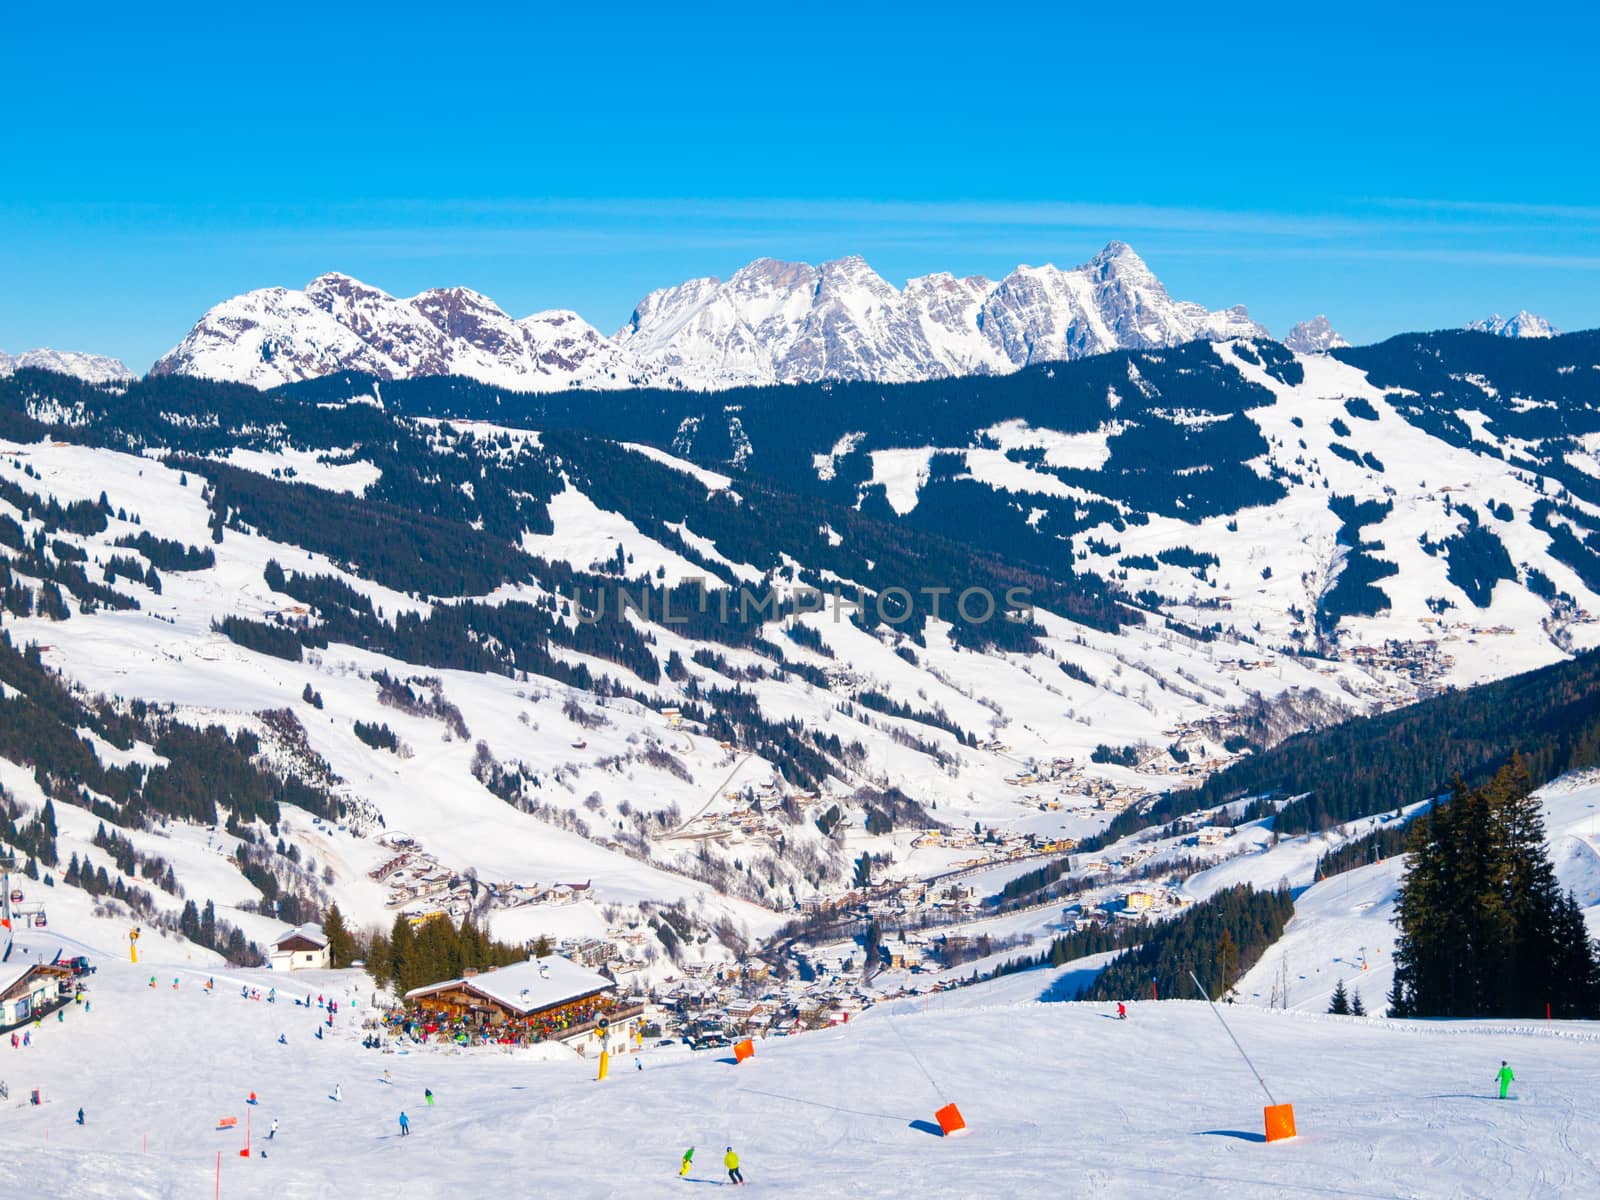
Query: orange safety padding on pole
(949, 1118)
(227, 1122)
(1280, 1122)
(745, 1049)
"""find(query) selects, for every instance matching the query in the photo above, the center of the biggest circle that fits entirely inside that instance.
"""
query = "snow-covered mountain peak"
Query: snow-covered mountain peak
(1316, 336)
(1524, 325)
(1120, 258)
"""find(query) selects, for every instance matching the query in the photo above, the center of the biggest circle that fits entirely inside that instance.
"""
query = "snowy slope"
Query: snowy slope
(1050, 1092)
(168, 653)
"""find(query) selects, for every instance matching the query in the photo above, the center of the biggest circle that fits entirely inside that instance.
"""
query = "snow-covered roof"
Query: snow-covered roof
(527, 987)
(11, 973)
(310, 932)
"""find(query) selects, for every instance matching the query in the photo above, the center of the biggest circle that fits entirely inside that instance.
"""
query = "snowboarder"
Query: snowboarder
(273, 1132)
(731, 1161)
(688, 1161)
(282, 1041)
(1122, 1011)
(387, 1078)
(427, 1096)
(1505, 1076)
(338, 1092)
(405, 1125)
(80, 1116)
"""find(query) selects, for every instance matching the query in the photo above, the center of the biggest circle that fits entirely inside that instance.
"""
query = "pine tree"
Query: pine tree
(402, 954)
(189, 922)
(541, 947)
(341, 946)
(1341, 1001)
(1484, 928)
(1357, 1009)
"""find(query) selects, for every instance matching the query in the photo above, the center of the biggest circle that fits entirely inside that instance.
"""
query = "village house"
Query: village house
(301, 949)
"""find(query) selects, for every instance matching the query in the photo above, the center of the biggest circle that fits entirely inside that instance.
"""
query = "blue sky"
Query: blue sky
(1396, 170)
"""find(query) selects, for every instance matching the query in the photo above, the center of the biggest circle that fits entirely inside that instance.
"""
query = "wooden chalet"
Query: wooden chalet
(551, 997)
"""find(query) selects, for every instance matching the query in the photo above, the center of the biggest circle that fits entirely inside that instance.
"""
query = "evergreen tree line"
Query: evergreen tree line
(1485, 930)
(412, 956)
(1382, 843)
(1219, 939)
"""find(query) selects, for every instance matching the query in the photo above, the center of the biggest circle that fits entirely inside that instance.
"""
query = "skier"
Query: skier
(338, 1092)
(1505, 1077)
(282, 1041)
(427, 1095)
(638, 1064)
(688, 1161)
(387, 1078)
(80, 1116)
(273, 1132)
(731, 1161)
(405, 1125)
(319, 1033)
(1122, 1011)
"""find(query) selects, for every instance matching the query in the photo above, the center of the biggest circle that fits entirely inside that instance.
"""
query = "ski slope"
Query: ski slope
(1055, 1095)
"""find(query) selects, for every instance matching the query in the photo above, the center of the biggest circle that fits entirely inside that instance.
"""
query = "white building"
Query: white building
(301, 949)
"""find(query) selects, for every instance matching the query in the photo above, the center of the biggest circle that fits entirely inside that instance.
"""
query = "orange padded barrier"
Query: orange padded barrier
(1280, 1122)
(745, 1049)
(949, 1118)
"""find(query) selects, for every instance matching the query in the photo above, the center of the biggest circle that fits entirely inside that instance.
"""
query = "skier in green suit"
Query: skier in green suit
(1505, 1077)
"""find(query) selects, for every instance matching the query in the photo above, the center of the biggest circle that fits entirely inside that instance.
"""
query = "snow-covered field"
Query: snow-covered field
(1059, 1098)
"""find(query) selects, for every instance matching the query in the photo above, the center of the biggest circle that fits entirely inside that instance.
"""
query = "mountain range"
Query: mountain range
(770, 323)
(91, 368)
